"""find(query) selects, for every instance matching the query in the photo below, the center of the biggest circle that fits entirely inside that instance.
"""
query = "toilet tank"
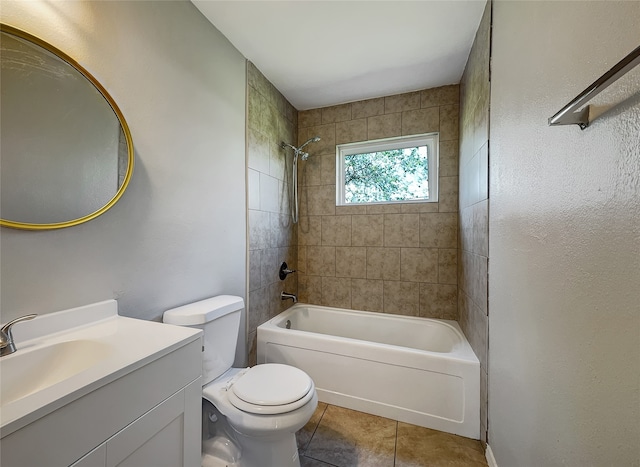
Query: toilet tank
(219, 319)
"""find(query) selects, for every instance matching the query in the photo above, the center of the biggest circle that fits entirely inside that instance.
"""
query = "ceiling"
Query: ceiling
(321, 53)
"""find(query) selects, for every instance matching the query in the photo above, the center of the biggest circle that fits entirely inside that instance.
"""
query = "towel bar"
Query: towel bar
(568, 115)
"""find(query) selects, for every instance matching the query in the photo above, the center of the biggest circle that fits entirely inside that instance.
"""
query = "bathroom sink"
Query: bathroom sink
(66, 355)
(33, 370)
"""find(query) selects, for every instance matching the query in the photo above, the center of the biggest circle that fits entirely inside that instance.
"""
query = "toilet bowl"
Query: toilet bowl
(250, 415)
(264, 439)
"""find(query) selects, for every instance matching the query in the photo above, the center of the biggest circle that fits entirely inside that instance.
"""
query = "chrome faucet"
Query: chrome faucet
(287, 296)
(6, 338)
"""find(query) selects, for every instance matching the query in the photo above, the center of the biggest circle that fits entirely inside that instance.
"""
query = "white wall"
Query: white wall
(564, 294)
(179, 232)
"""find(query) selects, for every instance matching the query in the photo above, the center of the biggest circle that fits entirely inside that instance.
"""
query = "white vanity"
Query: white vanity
(89, 388)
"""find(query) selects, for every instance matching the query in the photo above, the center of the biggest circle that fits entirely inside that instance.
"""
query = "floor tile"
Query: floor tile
(339, 437)
(418, 447)
(303, 436)
(346, 438)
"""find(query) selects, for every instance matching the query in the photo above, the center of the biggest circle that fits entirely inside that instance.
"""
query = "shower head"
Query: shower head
(298, 150)
(315, 139)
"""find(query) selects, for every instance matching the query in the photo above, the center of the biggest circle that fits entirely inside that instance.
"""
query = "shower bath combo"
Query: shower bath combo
(297, 152)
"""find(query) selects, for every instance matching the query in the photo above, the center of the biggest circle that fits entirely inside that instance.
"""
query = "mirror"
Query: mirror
(66, 154)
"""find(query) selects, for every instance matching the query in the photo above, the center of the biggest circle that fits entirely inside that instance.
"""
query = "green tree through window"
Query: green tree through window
(400, 169)
(391, 175)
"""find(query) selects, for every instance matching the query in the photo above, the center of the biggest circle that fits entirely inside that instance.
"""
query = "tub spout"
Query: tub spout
(286, 296)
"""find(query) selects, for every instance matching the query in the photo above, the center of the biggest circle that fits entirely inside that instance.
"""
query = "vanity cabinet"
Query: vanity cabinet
(148, 417)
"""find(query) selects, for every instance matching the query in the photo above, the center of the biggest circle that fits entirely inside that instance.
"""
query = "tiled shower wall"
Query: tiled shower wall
(399, 258)
(474, 204)
(272, 236)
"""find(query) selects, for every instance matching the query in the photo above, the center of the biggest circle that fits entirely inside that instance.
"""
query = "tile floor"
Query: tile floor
(340, 437)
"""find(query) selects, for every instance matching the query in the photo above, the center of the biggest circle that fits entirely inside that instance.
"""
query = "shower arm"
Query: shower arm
(284, 145)
(298, 149)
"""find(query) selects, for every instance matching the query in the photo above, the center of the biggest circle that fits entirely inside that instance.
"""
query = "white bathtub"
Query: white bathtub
(416, 370)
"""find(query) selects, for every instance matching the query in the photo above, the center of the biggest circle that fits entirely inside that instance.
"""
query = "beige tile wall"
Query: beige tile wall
(474, 203)
(399, 258)
(271, 119)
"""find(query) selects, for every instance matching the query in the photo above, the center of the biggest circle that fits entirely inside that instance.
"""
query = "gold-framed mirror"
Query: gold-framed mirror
(66, 152)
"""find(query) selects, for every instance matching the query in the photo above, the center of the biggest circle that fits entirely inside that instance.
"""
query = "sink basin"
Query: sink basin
(31, 370)
(66, 355)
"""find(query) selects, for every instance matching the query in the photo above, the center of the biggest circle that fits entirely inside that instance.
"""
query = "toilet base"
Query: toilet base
(219, 451)
(224, 446)
(279, 451)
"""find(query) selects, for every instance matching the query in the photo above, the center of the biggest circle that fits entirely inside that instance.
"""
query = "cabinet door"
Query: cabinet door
(154, 439)
(168, 435)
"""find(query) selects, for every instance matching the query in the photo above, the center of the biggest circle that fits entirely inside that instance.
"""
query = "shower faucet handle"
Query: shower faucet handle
(285, 271)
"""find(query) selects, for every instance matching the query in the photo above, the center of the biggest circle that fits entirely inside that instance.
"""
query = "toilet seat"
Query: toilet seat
(270, 389)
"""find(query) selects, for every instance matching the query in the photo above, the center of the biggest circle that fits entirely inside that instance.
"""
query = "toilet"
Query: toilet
(250, 415)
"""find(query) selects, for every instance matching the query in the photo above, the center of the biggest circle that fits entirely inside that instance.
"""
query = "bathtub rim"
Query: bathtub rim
(462, 349)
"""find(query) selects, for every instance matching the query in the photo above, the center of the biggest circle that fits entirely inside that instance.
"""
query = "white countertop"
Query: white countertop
(122, 345)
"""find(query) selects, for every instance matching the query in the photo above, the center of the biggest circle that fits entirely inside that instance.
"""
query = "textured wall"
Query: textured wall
(179, 232)
(564, 222)
(272, 235)
(474, 203)
(399, 258)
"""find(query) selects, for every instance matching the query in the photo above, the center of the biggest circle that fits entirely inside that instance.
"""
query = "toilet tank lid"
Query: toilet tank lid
(203, 311)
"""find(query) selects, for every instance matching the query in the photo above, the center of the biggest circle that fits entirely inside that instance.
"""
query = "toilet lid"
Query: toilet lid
(272, 384)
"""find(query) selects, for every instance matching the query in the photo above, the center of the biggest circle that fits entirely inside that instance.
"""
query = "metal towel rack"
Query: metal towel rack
(568, 115)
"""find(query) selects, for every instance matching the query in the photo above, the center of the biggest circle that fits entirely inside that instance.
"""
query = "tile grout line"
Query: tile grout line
(316, 427)
(395, 446)
(311, 439)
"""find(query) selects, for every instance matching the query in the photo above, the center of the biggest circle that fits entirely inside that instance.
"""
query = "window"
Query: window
(393, 170)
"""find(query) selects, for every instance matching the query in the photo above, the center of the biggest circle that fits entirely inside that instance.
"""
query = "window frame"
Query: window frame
(431, 140)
